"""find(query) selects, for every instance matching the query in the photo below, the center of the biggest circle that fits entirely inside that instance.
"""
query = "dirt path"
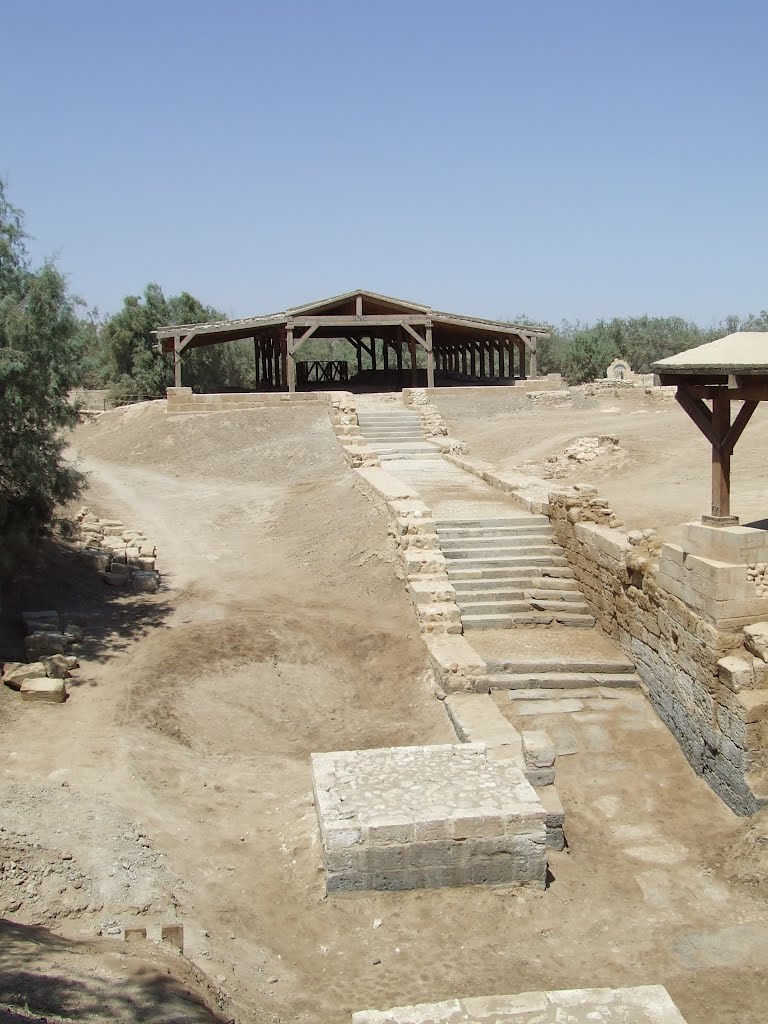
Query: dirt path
(285, 630)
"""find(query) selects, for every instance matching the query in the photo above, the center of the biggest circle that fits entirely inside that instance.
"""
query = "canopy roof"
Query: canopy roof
(357, 311)
(731, 369)
(744, 353)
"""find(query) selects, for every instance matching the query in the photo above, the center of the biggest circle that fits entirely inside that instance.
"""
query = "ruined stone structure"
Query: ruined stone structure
(426, 817)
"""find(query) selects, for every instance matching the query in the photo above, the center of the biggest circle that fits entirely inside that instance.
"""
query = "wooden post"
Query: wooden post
(721, 457)
(176, 361)
(464, 359)
(399, 346)
(414, 368)
(373, 353)
(430, 359)
(289, 365)
(385, 352)
(534, 366)
(359, 347)
(255, 363)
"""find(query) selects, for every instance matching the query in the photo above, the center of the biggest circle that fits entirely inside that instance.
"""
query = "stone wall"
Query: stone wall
(346, 426)
(186, 401)
(709, 689)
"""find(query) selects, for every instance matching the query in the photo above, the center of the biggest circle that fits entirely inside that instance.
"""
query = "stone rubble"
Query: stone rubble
(125, 558)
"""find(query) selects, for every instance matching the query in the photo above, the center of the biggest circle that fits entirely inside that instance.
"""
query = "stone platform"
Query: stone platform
(424, 817)
(647, 1004)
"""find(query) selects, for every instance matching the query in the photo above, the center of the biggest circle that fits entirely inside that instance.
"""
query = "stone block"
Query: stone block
(97, 557)
(113, 579)
(416, 817)
(477, 719)
(58, 666)
(50, 691)
(39, 644)
(173, 934)
(756, 640)
(738, 545)
(15, 676)
(135, 934)
(121, 569)
(538, 749)
(36, 622)
(735, 673)
(145, 582)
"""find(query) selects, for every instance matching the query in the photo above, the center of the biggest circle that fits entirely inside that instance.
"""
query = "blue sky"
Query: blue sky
(560, 159)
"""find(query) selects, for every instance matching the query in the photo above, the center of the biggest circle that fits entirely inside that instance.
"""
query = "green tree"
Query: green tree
(39, 354)
(587, 357)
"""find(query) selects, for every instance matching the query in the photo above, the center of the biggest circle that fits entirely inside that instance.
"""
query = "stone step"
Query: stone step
(392, 435)
(558, 681)
(494, 607)
(496, 543)
(516, 580)
(535, 556)
(521, 520)
(408, 446)
(394, 456)
(493, 533)
(537, 666)
(508, 620)
(492, 596)
(496, 572)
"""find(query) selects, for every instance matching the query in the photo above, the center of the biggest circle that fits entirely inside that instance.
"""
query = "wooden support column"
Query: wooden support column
(464, 359)
(399, 351)
(359, 348)
(255, 363)
(430, 359)
(414, 368)
(533, 362)
(177, 361)
(373, 353)
(290, 363)
(385, 352)
(721, 457)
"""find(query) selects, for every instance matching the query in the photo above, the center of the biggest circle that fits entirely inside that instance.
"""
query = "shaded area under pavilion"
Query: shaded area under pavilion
(455, 347)
(731, 369)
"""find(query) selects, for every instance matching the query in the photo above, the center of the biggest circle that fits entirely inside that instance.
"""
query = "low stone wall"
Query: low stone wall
(186, 401)
(346, 426)
(709, 689)
(413, 527)
(125, 558)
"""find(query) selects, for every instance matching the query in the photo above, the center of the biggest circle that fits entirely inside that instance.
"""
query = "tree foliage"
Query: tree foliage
(40, 349)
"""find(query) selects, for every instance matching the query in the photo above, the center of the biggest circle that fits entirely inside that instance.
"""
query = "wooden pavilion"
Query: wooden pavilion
(731, 369)
(459, 346)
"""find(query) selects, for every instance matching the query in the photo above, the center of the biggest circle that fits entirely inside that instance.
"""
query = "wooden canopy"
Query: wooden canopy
(731, 369)
(452, 342)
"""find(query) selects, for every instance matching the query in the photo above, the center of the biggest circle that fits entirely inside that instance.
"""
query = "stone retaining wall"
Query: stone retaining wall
(705, 685)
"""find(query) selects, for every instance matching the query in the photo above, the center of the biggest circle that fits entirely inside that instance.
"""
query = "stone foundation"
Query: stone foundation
(427, 817)
(647, 1004)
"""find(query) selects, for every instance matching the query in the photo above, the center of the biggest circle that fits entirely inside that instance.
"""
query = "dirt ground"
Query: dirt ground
(175, 785)
(659, 480)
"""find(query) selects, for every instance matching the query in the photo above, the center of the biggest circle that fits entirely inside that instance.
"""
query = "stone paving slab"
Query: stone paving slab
(645, 1004)
(425, 817)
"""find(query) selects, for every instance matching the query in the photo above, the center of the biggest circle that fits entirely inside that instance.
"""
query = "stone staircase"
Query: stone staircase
(510, 572)
(533, 675)
(395, 434)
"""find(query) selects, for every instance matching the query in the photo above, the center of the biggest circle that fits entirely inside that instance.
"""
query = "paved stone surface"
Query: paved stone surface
(647, 1004)
(424, 817)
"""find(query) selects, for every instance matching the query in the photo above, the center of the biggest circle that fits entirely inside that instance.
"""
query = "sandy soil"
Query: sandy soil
(661, 480)
(284, 629)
